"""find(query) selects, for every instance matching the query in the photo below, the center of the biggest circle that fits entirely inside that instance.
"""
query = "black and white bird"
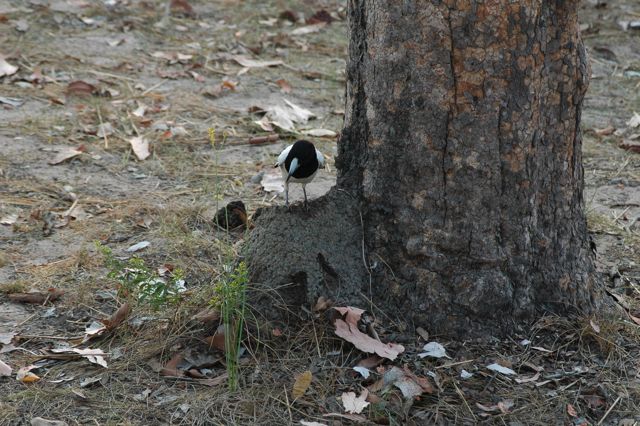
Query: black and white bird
(299, 163)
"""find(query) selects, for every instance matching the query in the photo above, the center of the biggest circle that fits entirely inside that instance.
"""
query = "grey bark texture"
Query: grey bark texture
(459, 195)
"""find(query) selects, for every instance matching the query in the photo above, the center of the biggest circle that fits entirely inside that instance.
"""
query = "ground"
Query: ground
(171, 78)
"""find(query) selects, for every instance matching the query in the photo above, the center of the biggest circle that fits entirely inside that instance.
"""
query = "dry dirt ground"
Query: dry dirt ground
(170, 76)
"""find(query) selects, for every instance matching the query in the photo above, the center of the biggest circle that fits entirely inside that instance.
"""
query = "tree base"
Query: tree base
(297, 255)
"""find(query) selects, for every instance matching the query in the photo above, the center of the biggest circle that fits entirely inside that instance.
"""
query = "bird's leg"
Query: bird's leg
(286, 194)
(304, 190)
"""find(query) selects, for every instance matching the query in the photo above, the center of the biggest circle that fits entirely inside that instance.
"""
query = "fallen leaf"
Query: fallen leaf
(502, 406)
(171, 368)
(250, 63)
(308, 29)
(6, 338)
(95, 356)
(14, 102)
(25, 375)
(5, 369)
(138, 246)
(66, 153)
(353, 404)
(6, 68)
(353, 417)
(364, 372)
(464, 374)
(140, 111)
(140, 147)
(80, 88)
(272, 182)
(301, 384)
(217, 340)
(118, 317)
(371, 361)
(348, 330)
(629, 145)
(594, 401)
(409, 388)
(306, 423)
(320, 16)
(500, 369)
(9, 219)
(284, 85)
(529, 379)
(320, 133)
(322, 304)
(207, 315)
(434, 350)
(634, 121)
(39, 421)
(595, 326)
(607, 131)
(104, 129)
(37, 297)
(284, 116)
(571, 411)
(182, 6)
(541, 349)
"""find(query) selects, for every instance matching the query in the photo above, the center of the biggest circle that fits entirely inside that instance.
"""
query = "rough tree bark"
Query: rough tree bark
(459, 195)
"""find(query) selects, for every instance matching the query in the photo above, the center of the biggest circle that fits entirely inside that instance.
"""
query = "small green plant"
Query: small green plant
(144, 284)
(230, 299)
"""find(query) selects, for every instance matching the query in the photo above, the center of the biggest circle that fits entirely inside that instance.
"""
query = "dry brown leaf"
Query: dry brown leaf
(66, 153)
(308, 29)
(25, 375)
(571, 411)
(302, 383)
(217, 340)
(250, 63)
(140, 147)
(5, 369)
(118, 317)
(37, 297)
(207, 315)
(80, 88)
(320, 16)
(171, 368)
(6, 68)
(371, 361)
(182, 6)
(322, 304)
(353, 417)
(285, 87)
(353, 404)
(630, 146)
(348, 330)
(607, 131)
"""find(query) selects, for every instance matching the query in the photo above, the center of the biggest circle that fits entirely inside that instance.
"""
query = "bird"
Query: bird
(299, 163)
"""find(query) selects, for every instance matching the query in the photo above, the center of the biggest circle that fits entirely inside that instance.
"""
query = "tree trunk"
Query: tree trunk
(459, 195)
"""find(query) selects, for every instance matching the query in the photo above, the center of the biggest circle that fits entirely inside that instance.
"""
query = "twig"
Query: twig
(454, 363)
(104, 132)
(465, 401)
(288, 404)
(608, 411)
(36, 336)
(121, 77)
(155, 86)
(25, 321)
